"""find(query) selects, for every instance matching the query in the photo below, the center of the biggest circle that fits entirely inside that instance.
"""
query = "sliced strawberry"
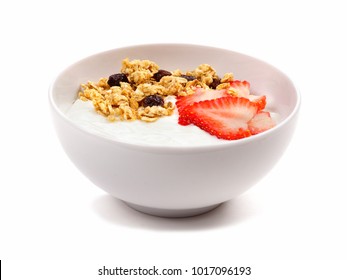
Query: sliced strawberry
(262, 121)
(182, 119)
(259, 100)
(200, 94)
(225, 117)
(239, 88)
(242, 89)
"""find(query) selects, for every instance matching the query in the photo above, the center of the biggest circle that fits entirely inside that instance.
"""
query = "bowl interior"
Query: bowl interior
(282, 97)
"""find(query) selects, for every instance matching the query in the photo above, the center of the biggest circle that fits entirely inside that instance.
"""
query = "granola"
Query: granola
(123, 101)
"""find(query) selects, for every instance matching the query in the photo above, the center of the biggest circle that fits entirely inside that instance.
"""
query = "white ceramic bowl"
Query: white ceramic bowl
(175, 181)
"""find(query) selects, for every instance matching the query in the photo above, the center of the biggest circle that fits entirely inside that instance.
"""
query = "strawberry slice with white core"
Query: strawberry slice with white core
(200, 94)
(261, 122)
(259, 100)
(242, 89)
(225, 117)
(239, 88)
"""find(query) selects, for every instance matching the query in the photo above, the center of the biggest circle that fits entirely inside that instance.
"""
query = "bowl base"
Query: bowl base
(172, 213)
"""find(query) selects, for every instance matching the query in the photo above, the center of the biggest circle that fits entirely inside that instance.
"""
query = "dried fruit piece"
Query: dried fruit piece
(153, 100)
(161, 73)
(215, 83)
(116, 79)
(188, 77)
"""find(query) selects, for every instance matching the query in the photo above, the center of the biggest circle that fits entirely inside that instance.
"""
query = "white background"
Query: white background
(55, 224)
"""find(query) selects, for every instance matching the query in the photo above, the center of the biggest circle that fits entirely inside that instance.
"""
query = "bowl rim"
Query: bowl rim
(163, 148)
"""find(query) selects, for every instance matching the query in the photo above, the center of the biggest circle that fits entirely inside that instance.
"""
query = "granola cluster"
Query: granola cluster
(122, 96)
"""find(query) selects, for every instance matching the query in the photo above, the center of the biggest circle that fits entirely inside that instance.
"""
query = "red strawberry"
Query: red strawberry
(225, 117)
(262, 121)
(242, 89)
(200, 94)
(238, 88)
(259, 100)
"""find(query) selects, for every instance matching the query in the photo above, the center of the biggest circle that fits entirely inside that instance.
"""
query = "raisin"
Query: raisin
(153, 100)
(215, 83)
(188, 78)
(115, 79)
(161, 73)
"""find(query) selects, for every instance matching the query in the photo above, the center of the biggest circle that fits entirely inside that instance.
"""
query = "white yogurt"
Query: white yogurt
(164, 132)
